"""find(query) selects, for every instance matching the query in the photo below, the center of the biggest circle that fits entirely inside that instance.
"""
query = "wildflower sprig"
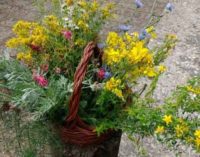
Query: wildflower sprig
(181, 122)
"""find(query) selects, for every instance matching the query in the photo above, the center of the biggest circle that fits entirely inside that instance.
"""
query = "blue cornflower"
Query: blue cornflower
(107, 75)
(169, 7)
(100, 45)
(143, 34)
(138, 4)
(124, 27)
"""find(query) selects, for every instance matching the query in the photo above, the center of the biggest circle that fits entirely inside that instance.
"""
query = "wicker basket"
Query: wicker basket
(76, 131)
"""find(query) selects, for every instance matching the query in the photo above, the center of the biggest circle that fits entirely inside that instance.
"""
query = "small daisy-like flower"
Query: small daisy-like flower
(138, 4)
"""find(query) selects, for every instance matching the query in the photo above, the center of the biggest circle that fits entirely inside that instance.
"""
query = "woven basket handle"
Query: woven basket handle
(78, 79)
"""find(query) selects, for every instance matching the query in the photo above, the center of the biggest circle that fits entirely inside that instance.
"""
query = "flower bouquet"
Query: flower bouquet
(65, 73)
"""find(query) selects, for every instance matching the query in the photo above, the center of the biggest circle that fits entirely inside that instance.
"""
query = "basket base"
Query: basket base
(108, 148)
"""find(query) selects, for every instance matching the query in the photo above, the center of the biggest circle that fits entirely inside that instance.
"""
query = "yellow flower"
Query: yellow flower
(112, 56)
(197, 142)
(20, 55)
(82, 3)
(13, 43)
(129, 53)
(118, 93)
(22, 28)
(80, 42)
(180, 130)
(25, 57)
(27, 33)
(82, 24)
(171, 36)
(161, 68)
(167, 119)
(94, 6)
(150, 72)
(151, 30)
(160, 130)
(193, 90)
(197, 133)
(52, 23)
(106, 11)
(189, 140)
(69, 2)
(137, 53)
(113, 85)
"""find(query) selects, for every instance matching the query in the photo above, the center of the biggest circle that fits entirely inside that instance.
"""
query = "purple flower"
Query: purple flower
(143, 34)
(124, 27)
(138, 4)
(100, 45)
(107, 75)
(169, 7)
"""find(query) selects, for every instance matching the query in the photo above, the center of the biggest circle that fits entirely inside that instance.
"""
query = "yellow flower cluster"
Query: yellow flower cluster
(151, 30)
(52, 23)
(83, 24)
(28, 33)
(180, 129)
(69, 2)
(193, 90)
(106, 11)
(25, 57)
(128, 50)
(197, 138)
(161, 68)
(87, 12)
(113, 85)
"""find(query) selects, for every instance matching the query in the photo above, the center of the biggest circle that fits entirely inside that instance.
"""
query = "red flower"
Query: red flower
(101, 73)
(35, 47)
(41, 80)
(67, 34)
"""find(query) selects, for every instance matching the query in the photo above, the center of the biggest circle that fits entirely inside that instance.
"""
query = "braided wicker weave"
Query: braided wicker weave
(76, 131)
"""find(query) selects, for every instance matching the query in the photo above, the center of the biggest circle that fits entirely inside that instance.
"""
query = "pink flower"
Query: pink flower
(101, 73)
(67, 34)
(41, 80)
(35, 47)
